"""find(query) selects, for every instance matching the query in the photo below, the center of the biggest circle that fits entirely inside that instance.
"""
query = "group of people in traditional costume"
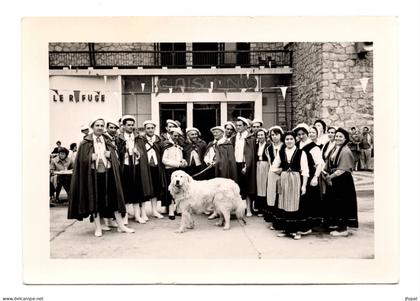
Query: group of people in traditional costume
(298, 180)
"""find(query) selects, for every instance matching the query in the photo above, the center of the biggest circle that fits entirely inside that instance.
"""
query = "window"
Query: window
(138, 105)
(173, 54)
(174, 111)
(205, 54)
(243, 109)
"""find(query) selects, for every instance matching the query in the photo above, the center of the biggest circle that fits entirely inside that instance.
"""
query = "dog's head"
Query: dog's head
(180, 182)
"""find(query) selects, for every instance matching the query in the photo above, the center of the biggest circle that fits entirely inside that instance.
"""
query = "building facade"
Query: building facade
(207, 84)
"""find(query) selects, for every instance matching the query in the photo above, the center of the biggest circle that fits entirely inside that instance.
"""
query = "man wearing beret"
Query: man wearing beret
(134, 168)
(244, 144)
(194, 149)
(221, 155)
(153, 147)
(96, 189)
(173, 160)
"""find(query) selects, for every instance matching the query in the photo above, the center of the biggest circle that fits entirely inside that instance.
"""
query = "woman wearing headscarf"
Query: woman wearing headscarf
(96, 189)
(311, 203)
(341, 193)
(263, 166)
(272, 151)
(290, 216)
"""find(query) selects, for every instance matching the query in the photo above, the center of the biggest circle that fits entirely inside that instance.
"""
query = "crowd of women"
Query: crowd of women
(299, 181)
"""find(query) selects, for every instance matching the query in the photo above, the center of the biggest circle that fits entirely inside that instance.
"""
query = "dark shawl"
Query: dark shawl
(200, 147)
(143, 162)
(157, 146)
(225, 166)
(82, 200)
(251, 165)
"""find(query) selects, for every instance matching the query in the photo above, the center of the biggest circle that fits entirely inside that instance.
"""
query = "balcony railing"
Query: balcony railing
(170, 59)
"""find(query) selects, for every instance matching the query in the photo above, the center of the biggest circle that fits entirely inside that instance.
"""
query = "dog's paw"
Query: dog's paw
(180, 231)
(191, 226)
(219, 224)
(226, 228)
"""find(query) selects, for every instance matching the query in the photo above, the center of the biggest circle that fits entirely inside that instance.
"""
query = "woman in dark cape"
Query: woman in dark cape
(341, 206)
(94, 191)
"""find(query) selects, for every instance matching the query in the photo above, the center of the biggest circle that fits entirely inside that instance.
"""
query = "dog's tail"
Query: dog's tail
(240, 211)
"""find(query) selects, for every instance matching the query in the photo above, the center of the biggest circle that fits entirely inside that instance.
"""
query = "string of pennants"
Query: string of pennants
(283, 89)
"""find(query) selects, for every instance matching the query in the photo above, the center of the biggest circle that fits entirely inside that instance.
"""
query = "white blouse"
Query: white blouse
(315, 152)
(289, 154)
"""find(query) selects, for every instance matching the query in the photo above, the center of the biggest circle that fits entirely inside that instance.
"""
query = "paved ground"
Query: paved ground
(157, 239)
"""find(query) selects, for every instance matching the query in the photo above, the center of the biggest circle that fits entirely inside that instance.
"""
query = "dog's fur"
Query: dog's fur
(219, 194)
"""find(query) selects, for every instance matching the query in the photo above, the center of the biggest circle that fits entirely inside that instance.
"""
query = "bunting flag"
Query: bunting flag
(142, 87)
(283, 92)
(182, 90)
(99, 92)
(105, 79)
(70, 67)
(211, 85)
(226, 93)
(170, 90)
(247, 75)
(210, 90)
(364, 82)
(55, 91)
(269, 64)
(243, 90)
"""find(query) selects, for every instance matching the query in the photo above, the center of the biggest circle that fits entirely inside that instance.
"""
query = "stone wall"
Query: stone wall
(344, 103)
(68, 47)
(263, 56)
(307, 74)
(326, 80)
(124, 47)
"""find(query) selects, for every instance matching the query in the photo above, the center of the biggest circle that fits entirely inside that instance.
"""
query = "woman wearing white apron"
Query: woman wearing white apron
(272, 151)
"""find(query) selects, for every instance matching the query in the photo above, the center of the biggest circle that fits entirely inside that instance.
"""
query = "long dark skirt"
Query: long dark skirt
(341, 202)
(313, 204)
(106, 194)
(132, 185)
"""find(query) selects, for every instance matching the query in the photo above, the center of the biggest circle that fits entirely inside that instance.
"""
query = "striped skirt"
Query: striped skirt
(272, 188)
(289, 191)
(262, 176)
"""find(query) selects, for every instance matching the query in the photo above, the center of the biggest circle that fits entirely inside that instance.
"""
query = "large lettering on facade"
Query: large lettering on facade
(197, 83)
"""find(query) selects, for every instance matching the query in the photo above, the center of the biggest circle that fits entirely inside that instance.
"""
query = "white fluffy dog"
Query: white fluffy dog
(219, 194)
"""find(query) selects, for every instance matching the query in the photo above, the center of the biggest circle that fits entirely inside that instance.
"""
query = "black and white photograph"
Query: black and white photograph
(272, 142)
(215, 153)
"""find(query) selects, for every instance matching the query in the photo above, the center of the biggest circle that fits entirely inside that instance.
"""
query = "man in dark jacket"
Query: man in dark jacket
(96, 189)
(134, 168)
(244, 144)
(221, 155)
(194, 149)
(153, 148)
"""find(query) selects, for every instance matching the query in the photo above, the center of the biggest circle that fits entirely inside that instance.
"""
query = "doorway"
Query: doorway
(174, 111)
(206, 116)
